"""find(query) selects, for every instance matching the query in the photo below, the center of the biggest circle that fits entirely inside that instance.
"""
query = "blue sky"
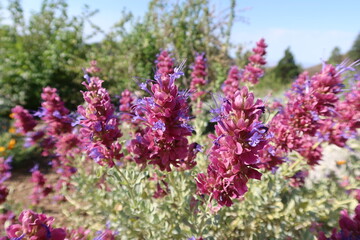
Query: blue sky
(311, 28)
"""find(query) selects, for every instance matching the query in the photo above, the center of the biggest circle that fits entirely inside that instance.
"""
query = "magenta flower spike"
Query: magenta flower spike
(40, 190)
(234, 158)
(107, 234)
(165, 115)
(77, 234)
(4, 191)
(253, 70)
(198, 76)
(5, 168)
(93, 67)
(164, 66)
(127, 101)
(24, 121)
(314, 114)
(55, 114)
(231, 84)
(349, 227)
(100, 127)
(35, 226)
(7, 216)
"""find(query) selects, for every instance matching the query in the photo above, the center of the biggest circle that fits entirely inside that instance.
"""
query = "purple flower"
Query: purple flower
(198, 76)
(127, 102)
(100, 125)
(4, 191)
(24, 121)
(35, 226)
(239, 138)
(231, 84)
(40, 113)
(34, 168)
(165, 115)
(159, 125)
(253, 70)
(349, 227)
(5, 169)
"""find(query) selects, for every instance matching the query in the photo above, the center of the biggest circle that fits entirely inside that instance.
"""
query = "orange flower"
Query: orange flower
(11, 144)
(11, 115)
(341, 162)
(2, 149)
(12, 130)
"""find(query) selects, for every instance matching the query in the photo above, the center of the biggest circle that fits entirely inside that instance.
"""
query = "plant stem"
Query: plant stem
(128, 185)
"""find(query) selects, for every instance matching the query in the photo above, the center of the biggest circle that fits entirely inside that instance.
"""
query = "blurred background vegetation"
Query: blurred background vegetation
(50, 48)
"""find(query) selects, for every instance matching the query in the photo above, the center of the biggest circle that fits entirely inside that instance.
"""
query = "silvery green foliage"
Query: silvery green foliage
(271, 209)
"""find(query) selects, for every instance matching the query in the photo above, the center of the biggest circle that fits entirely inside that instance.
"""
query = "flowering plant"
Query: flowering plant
(250, 178)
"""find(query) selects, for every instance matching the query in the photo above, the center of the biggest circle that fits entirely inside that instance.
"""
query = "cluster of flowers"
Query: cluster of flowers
(251, 73)
(239, 136)
(100, 126)
(350, 227)
(55, 116)
(77, 234)
(66, 142)
(298, 179)
(7, 218)
(34, 226)
(107, 234)
(11, 144)
(56, 135)
(162, 187)
(313, 114)
(165, 115)
(41, 189)
(5, 174)
(231, 84)
(198, 76)
(24, 121)
(164, 65)
(344, 126)
(126, 101)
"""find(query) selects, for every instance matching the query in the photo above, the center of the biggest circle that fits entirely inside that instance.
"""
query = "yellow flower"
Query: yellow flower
(12, 130)
(341, 162)
(2, 149)
(12, 143)
(11, 115)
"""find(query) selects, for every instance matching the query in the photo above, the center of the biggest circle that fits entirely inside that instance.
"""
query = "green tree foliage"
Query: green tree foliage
(46, 50)
(336, 57)
(286, 70)
(50, 48)
(184, 27)
(354, 52)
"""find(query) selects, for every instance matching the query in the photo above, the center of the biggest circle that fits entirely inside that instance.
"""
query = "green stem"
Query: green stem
(122, 175)
(203, 220)
(128, 185)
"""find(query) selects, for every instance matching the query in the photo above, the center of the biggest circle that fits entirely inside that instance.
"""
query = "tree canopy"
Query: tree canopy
(286, 69)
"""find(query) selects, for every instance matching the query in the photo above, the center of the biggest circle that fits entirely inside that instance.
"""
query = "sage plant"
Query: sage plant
(165, 115)
(234, 156)
(100, 126)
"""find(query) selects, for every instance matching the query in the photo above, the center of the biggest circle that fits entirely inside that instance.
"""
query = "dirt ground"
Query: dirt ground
(21, 188)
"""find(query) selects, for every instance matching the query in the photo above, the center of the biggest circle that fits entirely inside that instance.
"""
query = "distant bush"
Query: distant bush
(46, 50)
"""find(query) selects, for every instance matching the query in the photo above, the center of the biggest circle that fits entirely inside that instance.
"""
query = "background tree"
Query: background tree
(336, 57)
(286, 70)
(184, 27)
(354, 52)
(49, 49)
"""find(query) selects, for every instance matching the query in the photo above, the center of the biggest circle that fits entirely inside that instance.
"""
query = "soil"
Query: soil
(21, 188)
